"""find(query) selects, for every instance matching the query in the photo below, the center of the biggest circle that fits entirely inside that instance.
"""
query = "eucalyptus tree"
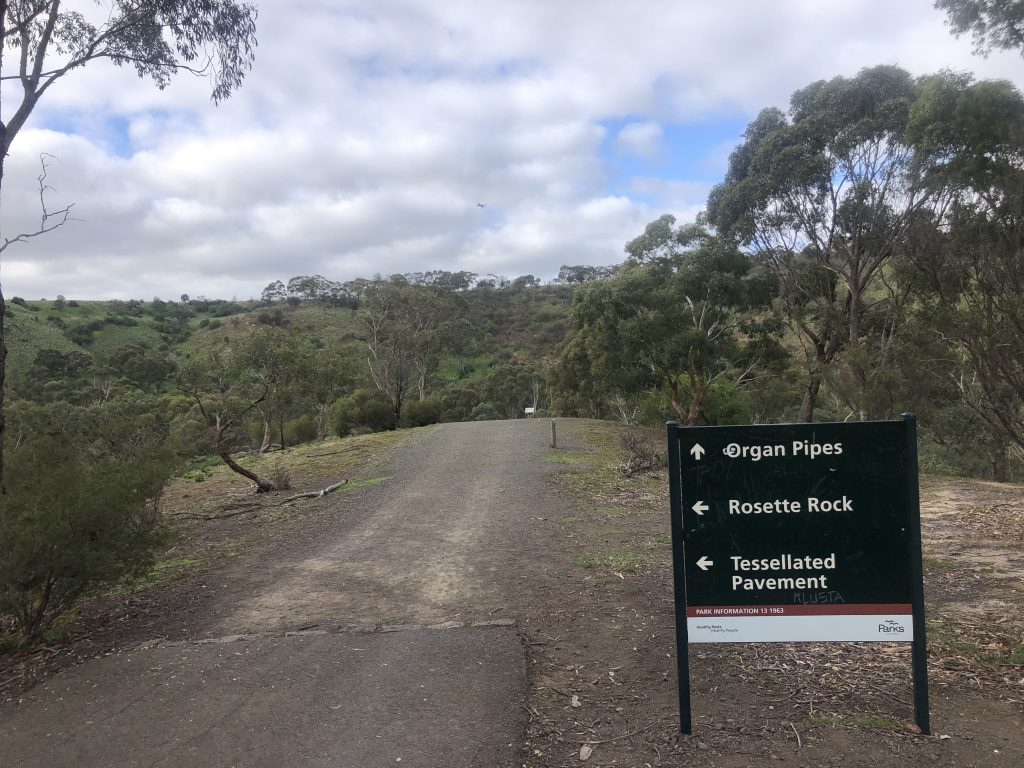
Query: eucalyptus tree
(992, 23)
(45, 41)
(680, 315)
(228, 385)
(827, 196)
(409, 330)
(973, 267)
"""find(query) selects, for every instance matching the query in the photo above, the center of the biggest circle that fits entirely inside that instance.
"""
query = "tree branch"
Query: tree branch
(50, 220)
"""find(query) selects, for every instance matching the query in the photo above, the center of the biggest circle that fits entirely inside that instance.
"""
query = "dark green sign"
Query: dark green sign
(810, 517)
(797, 532)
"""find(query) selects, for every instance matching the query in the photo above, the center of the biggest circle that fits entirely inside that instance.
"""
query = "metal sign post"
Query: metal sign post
(797, 533)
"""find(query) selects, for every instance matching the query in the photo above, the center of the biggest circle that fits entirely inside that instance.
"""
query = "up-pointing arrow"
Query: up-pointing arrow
(700, 508)
(697, 451)
(704, 563)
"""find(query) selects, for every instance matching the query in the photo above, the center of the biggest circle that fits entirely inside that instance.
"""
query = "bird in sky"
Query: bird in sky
(481, 205)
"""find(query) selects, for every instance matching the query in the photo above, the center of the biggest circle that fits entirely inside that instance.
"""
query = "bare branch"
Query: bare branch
(50, 220)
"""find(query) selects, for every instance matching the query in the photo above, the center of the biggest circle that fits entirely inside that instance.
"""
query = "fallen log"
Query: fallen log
(313, 494)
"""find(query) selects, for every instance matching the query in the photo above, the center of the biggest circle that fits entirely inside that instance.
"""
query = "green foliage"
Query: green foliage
(73, 521)
(362, 411)
(420, 413)
(485, 412)
(827, 198)
(680, 315)
(514, 384)
(301, 430)
(459, 399)
(992, 23)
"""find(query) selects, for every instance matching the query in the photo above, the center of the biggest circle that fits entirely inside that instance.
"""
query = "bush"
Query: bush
(300, 430)
(362, 411)
(485, 412)
(420, 413)
(72, 522)
(458, 401)
(19, 301)
(280, 477)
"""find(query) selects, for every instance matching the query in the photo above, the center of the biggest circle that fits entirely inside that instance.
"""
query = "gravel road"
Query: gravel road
(383, 633)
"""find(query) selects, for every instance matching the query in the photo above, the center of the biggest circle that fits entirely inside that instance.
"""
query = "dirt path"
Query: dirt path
(435, 555)
(443, 540)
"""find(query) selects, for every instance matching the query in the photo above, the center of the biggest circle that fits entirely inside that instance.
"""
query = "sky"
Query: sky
(367, 132)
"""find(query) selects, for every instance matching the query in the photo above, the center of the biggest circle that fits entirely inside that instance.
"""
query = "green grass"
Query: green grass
(999, 650)
(561, 457)
(471, 368)
(311, 466)
(621, 560)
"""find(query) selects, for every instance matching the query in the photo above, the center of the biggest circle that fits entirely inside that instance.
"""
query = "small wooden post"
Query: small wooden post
(554, 440)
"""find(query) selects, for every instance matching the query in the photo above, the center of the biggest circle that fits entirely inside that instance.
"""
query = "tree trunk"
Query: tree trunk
(3, 371)
(673, 386)
(422, 384)
(323, 418)
(262, 485)
(280, 428)
(267, 437)
(1001, 466)
(810, 398)
(696, 403)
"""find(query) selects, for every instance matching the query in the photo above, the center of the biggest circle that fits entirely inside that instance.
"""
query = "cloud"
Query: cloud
(367, 132)
(643, 139)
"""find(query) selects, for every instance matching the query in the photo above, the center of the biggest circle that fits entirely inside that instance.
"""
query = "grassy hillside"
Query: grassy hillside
(525, 321)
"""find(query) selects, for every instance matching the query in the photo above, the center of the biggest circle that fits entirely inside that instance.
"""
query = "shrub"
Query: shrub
(485, 412)
(420, 413)
(280, 477)
(72, 522)
(363, 411)
(19, 301)
(300, 430)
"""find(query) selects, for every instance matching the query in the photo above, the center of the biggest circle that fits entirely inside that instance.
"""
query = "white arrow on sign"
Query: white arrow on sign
(700, 508)
(704, 563)
(697, 451)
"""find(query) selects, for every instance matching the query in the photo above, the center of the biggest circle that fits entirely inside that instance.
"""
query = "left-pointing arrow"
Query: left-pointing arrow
(700, 508)
(704, 563)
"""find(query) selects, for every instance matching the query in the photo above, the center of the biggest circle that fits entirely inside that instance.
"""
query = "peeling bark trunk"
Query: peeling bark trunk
(810, 398)
(693, 415)
(323, 418)
(265, 445)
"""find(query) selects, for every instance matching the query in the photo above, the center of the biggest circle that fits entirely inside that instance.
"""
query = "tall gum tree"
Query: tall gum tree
(826, 196)
(974, 272)
(43, 41)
